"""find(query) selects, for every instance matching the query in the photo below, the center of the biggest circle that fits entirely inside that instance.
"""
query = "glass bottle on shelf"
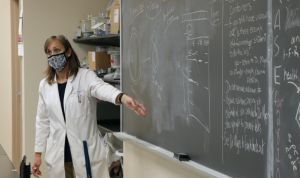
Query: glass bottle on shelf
(96, 24)
(86, 24)
(90, 16)
(107, 17)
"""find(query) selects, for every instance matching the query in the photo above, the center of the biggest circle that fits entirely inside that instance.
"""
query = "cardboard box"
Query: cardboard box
(99, 60)
(117, 2)
(115, 19)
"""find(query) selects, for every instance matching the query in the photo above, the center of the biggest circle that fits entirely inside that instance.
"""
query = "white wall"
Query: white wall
(5, 79)
(142, 163)
(41, 20)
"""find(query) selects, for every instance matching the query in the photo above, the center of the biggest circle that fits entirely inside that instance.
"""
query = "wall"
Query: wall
(5, 79)
(139, 162)
(41, 20)
(23, 95)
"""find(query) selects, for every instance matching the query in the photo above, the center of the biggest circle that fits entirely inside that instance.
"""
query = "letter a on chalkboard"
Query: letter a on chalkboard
(277, 20)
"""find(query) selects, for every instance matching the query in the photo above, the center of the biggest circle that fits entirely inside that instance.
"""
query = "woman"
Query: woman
(66, 124)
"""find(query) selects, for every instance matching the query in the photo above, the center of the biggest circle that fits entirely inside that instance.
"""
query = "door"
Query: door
(16, 86)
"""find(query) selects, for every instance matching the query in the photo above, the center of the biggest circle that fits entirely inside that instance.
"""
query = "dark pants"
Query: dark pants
(69, 170)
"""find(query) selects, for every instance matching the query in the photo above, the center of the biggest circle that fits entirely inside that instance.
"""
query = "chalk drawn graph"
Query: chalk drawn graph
(198, 80)
(197, 72)
(197, 85)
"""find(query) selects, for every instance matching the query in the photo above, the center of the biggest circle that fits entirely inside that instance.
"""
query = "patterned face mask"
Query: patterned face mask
(58, 61)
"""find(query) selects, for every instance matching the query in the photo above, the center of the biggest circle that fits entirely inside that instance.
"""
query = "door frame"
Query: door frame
(16, 62)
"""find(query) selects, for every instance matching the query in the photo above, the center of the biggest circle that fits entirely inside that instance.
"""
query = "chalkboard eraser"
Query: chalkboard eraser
(181, 157)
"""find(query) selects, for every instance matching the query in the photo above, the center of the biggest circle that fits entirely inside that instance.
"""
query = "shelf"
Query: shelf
(106, 40)
(111, 81)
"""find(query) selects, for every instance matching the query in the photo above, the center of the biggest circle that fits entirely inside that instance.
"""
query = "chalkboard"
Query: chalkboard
(286, 93)
(219, 79)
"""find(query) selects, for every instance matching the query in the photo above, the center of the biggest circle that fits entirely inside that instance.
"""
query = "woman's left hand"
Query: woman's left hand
(134, 105)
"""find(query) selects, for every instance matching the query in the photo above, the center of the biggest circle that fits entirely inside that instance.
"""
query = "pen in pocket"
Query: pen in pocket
(79, 98)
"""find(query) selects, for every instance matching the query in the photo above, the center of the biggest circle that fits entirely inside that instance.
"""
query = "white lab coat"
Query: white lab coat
(81, 124)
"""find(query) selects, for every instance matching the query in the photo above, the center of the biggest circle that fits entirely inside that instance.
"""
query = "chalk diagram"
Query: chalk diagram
(194, 16)
(154, 55)
(215, 12)
(153, 8)
(198, 80)
(197, 87)
(298, 115)
(134, 56)
(189, 29)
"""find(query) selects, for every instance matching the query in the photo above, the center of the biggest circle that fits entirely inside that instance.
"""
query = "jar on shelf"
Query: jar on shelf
(86, 24)
(114, 57)
(96, 24)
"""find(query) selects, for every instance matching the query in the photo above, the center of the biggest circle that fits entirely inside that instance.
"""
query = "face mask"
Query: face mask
(58, 61)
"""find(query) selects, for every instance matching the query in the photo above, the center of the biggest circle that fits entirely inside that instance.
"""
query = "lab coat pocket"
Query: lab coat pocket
(50, 151)
(96, 150)
(78, 104)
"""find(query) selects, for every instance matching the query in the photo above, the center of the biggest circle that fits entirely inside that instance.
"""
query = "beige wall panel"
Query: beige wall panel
(23, 97)
(5, 79)
(41, 20)
(139, 162)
